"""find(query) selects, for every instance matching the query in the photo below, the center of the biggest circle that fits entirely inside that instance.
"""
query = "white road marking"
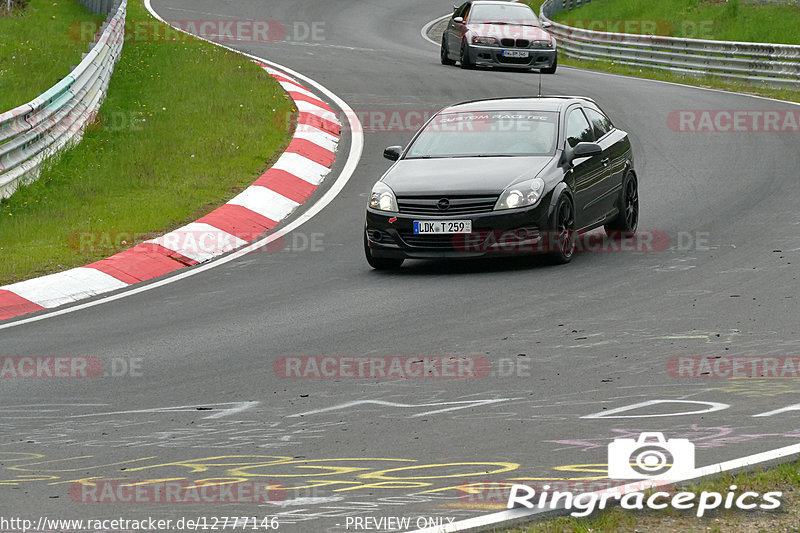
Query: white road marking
(612, 413)
(457, 405)
(426, 28)
(236, 407)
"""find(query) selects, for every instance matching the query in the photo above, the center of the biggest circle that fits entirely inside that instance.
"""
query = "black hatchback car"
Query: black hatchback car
(519, 175)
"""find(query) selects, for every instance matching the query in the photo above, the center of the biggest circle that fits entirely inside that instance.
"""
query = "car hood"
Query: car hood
(509, 31)
(461, 175)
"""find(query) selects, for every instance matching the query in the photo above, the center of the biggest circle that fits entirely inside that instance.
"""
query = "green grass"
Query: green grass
(785, 478)
(535, 4)
(185, 126)
(38, 48)
(733, 20)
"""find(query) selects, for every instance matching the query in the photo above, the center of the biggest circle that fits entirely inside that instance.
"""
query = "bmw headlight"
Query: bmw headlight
(486, 41)
(382, 198)
(542, 44)
(524, 194)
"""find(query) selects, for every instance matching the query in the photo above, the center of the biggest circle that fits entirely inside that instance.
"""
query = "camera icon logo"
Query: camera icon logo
(650, 456)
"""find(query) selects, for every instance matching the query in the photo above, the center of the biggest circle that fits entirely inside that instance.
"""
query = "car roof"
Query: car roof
(500, 2)
(522, 103)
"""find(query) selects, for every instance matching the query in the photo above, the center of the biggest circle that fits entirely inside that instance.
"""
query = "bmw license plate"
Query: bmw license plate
(515, 53)
(443, 226)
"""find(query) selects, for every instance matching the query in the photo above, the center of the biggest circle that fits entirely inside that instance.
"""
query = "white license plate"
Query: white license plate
(515, 53)
(443, 226)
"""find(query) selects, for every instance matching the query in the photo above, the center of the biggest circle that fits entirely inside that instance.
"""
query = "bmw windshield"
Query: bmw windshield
(502, 14)
(487, 134)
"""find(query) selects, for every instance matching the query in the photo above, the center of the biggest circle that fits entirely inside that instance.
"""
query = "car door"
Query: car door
(589, 173)
(615, 154)
(455, 30)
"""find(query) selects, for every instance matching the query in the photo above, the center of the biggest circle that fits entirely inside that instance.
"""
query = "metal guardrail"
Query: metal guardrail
(771, 65)
(32, 132)
(103, 7)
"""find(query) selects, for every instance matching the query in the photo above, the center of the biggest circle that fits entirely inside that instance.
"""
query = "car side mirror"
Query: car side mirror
(393, 153)
(546, 25)
(586, 150)
(458, 20)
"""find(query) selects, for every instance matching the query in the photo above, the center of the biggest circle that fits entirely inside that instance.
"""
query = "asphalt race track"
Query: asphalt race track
(565, 342)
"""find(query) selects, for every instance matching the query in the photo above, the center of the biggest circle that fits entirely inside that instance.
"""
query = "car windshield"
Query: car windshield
(503, 14)
(487, 134)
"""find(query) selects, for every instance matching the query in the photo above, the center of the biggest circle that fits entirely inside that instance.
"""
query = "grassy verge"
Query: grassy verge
(649, 10)
(784, 478)
(733, 20)
(184, 127)
(30, 39)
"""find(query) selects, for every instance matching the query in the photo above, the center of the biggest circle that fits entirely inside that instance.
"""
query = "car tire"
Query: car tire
(444, 55)
(380, 263)
(464, 57)
(561, 238)
(627, 220)
(552, 68)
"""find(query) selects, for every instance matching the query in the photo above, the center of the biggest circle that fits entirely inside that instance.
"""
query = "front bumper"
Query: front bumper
(514, 231)
(493, 56)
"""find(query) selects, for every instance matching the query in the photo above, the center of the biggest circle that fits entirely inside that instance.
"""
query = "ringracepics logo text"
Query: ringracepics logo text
(588, 502)
(657, 460)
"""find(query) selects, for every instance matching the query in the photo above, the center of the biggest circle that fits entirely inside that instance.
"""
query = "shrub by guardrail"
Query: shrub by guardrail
(33, 132)
(770, 65)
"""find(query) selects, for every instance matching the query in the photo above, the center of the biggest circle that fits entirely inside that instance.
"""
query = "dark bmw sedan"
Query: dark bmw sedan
(499, 34)
(519, 175)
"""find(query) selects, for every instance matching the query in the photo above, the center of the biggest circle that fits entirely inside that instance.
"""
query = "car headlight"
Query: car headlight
(382, 198)
(524, 194)
(542, 44)
(486, 41)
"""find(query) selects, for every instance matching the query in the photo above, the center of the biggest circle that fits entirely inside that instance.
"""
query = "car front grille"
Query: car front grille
(428, 240)
(479, 241)
(458, 205)
(518, 43)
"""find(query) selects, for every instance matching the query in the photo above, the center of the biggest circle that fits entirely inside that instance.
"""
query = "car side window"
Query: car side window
(461, 11)
(601, 123)
(578, 128)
